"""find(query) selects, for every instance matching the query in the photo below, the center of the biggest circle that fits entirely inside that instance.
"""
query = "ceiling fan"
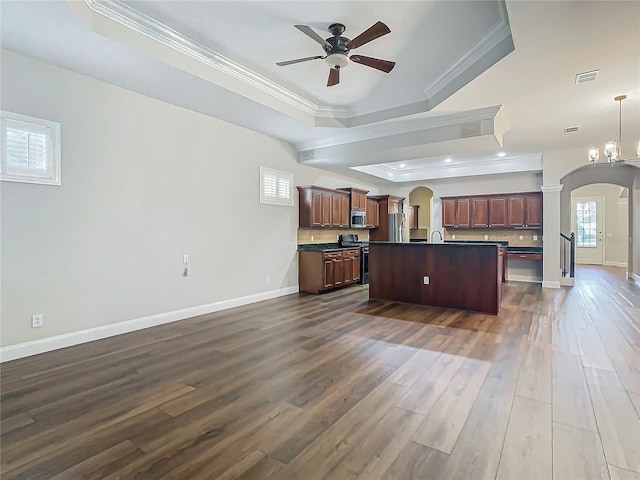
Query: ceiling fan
(337, 49)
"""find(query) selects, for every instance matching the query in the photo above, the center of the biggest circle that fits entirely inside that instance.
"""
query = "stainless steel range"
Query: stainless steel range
(351, 240)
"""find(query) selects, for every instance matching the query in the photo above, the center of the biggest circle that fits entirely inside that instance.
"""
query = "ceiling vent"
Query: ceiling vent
(571, 129)
(587, 76)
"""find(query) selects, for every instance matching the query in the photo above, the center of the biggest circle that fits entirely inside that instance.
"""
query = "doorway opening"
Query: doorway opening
(600, 221)
(420, 214)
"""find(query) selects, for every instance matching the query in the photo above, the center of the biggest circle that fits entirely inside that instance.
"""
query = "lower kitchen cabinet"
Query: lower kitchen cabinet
(323, 271)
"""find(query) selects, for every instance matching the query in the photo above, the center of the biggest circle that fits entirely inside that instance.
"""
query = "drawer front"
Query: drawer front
(326, 255)
(525, 256)
(351, 253)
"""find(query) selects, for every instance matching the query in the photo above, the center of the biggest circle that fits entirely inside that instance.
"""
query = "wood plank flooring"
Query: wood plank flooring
(335, 386)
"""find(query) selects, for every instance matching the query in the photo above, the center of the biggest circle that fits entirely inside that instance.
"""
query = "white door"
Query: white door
(588, 221)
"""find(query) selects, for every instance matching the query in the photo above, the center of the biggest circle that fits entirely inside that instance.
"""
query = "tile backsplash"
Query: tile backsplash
(512, 236)
(324, 235)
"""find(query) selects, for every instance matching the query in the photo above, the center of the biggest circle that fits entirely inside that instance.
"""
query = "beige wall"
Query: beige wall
(324, 235)
(518, 238)
(143, 182)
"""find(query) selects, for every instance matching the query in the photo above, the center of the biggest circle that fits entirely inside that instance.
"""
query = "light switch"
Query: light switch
(426, 280)
(535, 238)
(453, 237)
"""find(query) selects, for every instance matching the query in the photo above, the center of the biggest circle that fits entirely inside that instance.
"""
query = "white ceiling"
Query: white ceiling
(458, 90)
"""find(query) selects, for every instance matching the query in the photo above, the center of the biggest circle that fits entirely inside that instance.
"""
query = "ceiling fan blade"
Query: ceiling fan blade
(310, 32)
(382, 65)
(298, 60)
(334, 77)
(376, 30)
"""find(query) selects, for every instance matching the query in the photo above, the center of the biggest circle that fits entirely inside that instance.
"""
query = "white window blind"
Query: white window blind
(30, 149)
(276, 187)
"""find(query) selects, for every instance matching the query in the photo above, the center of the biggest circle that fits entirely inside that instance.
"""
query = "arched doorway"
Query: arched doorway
(420, 213)
(600, 188)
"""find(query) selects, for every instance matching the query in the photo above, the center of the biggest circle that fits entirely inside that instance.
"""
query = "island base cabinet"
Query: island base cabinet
(323, 271)
(464, 277)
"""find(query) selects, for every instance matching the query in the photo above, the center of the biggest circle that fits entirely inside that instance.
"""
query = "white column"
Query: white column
(551, 247)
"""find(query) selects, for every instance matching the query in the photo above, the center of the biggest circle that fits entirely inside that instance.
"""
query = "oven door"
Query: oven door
(364, 265)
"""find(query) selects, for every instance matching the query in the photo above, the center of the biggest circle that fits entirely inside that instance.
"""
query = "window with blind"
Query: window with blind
(276, 187)
(30, 149)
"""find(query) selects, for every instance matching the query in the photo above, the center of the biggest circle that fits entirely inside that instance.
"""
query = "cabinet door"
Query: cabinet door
(335, 211)
(344, 211)
(316, 209)
(479, 212)
(326, 209)
(533, 211)
(338, 271)
(448, 213)
(355, 275)
(498, 212)
(373, 210)
(463, 213)
(347, 263)
(329, 273)
(516, 211)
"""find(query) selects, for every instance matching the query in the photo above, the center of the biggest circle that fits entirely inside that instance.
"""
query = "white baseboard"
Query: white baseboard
(523, 278)
(549, 284)
(616, 264)
(13, 352)
(634, 276)
(567, 281)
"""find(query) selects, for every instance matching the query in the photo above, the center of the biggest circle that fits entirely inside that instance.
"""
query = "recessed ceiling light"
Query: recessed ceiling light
(402, 165)
(501, 154)
(447, 160)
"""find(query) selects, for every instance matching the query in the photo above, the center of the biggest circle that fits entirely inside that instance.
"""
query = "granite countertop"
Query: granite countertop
(447, 244)
(502, 243)
(515, 249)
(321, 247)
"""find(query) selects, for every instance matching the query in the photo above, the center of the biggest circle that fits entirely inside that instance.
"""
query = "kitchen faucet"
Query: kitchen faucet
(439, 233)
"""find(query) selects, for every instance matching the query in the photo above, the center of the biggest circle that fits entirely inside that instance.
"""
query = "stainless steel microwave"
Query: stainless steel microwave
(358, 219)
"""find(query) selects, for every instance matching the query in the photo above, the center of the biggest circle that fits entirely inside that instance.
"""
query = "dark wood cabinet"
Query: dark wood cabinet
(373, 213)
(386, 204)
(517, 210)
(497, 212)
(480, 212)
(322, 271)
(525, 210)
(358, 198)
(456, 213)
(413, 221)
(321, 207)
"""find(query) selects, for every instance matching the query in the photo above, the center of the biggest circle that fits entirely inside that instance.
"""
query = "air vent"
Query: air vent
(571, 129)
(587, 76)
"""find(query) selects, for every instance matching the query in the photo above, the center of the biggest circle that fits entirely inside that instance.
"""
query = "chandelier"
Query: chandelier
(613, 150)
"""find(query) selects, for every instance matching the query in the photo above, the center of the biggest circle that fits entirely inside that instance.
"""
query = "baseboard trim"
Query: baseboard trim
(549, 284)
(21, 350)
(615, 264)
(523, 278)
(633, 276)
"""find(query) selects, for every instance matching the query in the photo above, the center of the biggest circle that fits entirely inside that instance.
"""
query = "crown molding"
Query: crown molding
(141, 23)
(492, 39)
(551, 188)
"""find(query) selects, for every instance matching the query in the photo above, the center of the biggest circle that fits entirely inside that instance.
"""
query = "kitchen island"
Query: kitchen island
(462, 276)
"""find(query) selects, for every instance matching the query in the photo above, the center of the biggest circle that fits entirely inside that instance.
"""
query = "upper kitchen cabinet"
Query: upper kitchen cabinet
(525, 210)
(373, 213)
(321, 207)
(386, 204)
(456, 212)
(514, 210)
(358, 198)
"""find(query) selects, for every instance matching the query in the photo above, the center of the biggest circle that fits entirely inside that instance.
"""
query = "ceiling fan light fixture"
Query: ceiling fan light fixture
(339, 60)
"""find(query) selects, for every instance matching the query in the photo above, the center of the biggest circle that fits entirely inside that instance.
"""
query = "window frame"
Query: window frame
(53, 169)
(277, 200)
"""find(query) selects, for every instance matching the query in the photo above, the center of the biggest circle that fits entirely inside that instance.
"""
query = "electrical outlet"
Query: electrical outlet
(521, 237)
(535, 238)
(185, 258)
(312, 238)
(453, 237)
(486, 237)
(37, 320)
(425, 280)
(267, 281)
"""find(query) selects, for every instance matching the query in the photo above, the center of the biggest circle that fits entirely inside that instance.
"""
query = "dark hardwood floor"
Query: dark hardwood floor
(334, 386)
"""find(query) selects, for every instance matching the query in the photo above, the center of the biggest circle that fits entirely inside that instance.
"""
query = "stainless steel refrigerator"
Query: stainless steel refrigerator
(397, 231)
